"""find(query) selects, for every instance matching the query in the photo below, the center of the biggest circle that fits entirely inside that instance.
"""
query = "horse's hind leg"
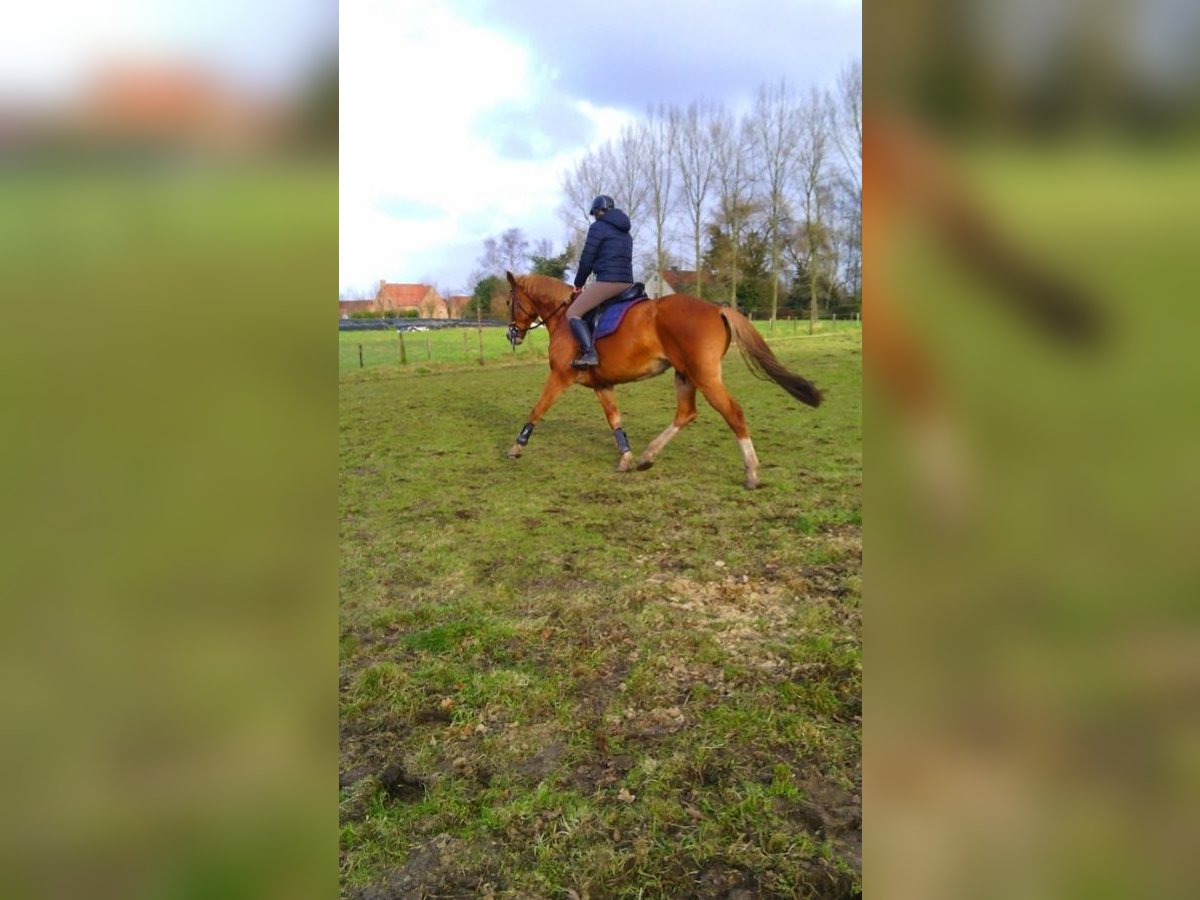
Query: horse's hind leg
(685, 412)
(722, 401)
(608, 402)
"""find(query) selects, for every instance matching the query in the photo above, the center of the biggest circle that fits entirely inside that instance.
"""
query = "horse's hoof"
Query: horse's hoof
(751, 484)
(514, 453)
(623, 463)
(644, 464)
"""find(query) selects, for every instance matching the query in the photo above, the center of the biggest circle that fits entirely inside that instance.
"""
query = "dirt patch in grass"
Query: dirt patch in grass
(728, 884)
(432, 870)
(542, 763)
(833, 813)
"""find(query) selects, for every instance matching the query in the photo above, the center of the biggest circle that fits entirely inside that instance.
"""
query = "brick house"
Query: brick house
(167, 106)
(346, 307)
(677, 281)
(457, 305)
(399, 298)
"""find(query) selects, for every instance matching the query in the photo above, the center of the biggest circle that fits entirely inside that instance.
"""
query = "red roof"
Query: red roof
(140, 101)
(678, 279)
(399, 295)
(154, 94)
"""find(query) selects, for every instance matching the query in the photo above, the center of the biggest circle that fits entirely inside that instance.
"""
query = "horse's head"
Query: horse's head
(522, 311)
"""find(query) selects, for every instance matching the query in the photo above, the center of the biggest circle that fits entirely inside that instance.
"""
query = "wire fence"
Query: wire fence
(418, 348)
(408, 324)
(431, 345)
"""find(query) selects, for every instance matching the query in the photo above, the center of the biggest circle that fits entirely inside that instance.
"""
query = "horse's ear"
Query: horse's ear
(511, 280)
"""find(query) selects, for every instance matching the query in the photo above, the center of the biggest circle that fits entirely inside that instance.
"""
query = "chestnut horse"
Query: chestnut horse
(676, 331)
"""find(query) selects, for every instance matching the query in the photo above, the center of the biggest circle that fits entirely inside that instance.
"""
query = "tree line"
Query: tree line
(764, 206)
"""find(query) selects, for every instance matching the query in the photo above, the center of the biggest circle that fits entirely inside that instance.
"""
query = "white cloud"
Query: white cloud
(416, 81)
(460, 117)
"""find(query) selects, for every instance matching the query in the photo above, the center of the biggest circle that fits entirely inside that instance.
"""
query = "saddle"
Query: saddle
(606, 318)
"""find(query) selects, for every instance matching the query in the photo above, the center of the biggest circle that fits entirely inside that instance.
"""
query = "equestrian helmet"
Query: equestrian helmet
(600, 204)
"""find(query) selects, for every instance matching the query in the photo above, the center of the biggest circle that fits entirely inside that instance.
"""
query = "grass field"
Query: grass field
(439, 349)
(560, 681)
(449, 348)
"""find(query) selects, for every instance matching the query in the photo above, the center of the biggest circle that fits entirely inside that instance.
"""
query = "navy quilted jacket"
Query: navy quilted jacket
(608, 250)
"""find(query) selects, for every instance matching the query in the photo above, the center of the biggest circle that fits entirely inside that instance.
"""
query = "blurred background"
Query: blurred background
(168, 238)
(1033, 673)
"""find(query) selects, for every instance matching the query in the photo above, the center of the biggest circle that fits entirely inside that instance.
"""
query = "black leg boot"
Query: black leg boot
(587, 352)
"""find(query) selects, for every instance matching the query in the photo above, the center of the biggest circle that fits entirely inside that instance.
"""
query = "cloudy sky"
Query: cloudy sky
(459, 117)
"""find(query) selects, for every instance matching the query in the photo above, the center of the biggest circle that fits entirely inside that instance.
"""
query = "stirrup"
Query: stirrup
(585, 360)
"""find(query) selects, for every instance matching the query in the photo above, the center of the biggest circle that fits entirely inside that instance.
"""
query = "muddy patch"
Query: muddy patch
(435, 869)
(835, 814)
(599, 775)
(727, 884)
(360, 787)
(542, 763)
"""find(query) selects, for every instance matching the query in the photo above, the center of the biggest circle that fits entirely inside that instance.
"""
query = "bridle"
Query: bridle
(516, 335)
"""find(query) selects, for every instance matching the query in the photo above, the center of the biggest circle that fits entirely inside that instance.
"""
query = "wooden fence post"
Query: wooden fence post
(479, 325)
(403, 355)
(360, 359)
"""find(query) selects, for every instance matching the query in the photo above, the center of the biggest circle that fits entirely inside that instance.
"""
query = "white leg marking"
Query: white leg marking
(750, 459)
(656, 446)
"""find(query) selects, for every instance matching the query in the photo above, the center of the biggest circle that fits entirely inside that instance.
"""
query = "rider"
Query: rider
(608, 252)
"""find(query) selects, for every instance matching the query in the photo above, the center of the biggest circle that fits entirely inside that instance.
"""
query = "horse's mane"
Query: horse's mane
(545, 285)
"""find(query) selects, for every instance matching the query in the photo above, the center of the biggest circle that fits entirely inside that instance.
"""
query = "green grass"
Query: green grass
(437, 349)
(560, 678)
(450, 348)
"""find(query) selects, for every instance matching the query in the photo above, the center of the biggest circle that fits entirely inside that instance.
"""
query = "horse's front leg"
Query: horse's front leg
(554, 386)
(608, 402)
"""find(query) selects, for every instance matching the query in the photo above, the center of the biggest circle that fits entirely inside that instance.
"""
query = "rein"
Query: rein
(541, 319)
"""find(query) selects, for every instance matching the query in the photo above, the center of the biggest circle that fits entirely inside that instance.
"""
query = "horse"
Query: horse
(676, 331)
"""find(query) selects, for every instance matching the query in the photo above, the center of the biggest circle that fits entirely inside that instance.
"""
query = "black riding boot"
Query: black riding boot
(587, 352)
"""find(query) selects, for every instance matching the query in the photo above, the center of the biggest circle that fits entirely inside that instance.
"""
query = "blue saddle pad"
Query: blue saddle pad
(608, 317)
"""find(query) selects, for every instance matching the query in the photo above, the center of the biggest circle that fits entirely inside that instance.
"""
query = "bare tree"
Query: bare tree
(619, 169)
(580, 185)
(732, 147)
(846, 115)
(625, 166)
(660, 138)
(492, 260)
(697, 170)
(727, 171)
(776, 131)
(514, 250)
(847, 130)
(815, 190)
(849, 236)
(544, 247)
(510, 251)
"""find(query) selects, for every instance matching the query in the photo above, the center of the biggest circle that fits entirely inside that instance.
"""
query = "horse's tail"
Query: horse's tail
(762, 361)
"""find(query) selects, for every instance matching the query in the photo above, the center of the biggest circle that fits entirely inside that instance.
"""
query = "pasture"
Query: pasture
(450, 348)
(436, 349)
(561, 681)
